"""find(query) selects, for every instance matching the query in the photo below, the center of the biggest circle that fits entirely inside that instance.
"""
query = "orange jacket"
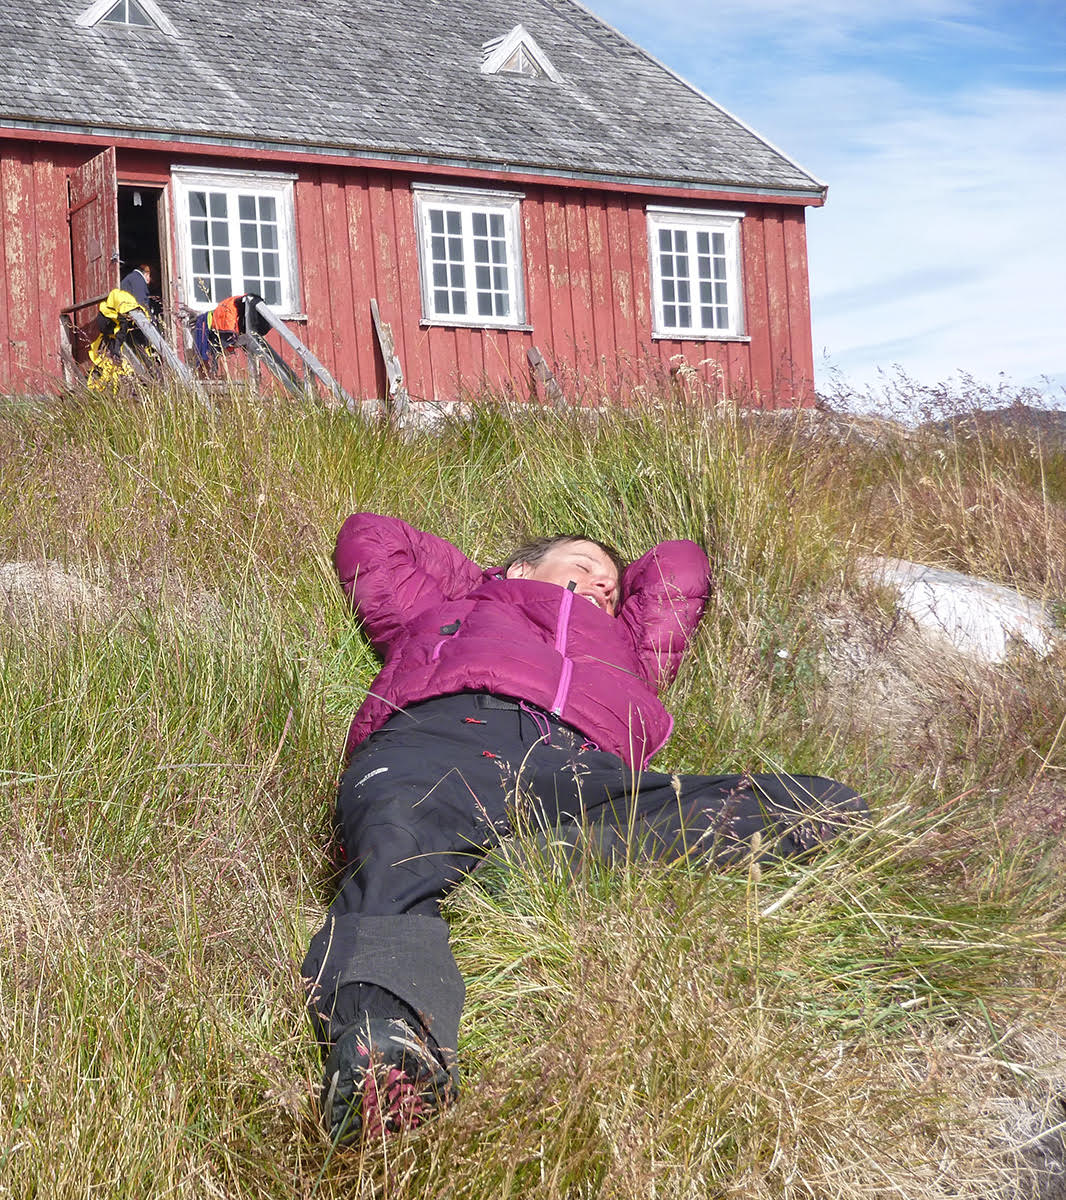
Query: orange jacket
(223, 318)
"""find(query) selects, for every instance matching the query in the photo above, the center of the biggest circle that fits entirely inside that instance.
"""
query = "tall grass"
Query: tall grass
(176, 674)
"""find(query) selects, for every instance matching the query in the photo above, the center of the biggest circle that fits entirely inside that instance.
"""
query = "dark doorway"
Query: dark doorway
(140, 214)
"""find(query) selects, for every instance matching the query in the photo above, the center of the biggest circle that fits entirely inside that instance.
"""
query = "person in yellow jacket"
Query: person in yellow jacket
(115, 326)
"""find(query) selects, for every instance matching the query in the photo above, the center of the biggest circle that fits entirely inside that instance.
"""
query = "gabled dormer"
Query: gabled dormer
(517, 53)
(131, 14)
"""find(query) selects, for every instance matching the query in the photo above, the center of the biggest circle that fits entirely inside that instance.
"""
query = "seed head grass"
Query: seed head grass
(177, 671)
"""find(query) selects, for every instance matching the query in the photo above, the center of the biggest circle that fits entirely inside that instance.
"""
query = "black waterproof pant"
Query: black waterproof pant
(426, 796)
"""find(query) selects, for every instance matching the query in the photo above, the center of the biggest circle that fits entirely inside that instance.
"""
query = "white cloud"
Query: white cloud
(941, 245)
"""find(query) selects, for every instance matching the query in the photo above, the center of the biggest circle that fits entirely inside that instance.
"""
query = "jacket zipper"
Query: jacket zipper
(561, 630)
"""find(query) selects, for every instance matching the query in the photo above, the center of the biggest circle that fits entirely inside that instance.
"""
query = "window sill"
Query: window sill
(700, 337)
(440, 322)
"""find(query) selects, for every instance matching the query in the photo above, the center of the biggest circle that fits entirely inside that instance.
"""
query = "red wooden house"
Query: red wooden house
(498, 174)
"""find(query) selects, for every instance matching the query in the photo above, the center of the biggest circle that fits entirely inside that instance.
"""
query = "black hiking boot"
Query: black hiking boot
(381, 1077)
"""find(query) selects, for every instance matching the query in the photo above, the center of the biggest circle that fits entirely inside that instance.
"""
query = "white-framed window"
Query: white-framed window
(126, 12)
(469, 256)
(133, 14)
(236, 234)
(517, 53)
(695, 271)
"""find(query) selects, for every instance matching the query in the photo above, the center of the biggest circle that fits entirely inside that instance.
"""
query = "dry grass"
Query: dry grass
(175, 676)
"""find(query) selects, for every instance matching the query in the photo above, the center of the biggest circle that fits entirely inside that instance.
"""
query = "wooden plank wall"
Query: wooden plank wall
(34, 265)
(587, 286)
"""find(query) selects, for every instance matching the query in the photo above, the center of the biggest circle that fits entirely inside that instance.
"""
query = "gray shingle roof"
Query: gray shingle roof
(393, 77)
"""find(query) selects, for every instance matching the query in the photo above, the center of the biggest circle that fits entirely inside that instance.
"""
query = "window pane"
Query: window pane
(484, 304)
(198, 233)
(496, 227)
(481, 278)
(665, 240)
(249, 264)
(246, 208)
(719, 243)
(221, 263)
(446, 261)
(268, 209)
(222, 287)
(499, 278)
(480, 224)
(219, 233)
(684, 317)
(268, 237)
(217, 201)
(703, 242)
(197, 204)
(200, 262)
(272, 265)
(721, 293)
(271, 292)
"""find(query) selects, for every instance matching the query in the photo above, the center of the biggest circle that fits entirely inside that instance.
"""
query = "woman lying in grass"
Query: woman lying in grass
(528, 692)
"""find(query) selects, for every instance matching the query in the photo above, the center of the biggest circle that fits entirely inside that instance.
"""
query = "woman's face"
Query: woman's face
(581, 563)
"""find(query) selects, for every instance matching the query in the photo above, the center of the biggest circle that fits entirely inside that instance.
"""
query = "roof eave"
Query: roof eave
(207, 141)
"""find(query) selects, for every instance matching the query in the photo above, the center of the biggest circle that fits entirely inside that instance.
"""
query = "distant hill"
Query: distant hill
(1025, 419)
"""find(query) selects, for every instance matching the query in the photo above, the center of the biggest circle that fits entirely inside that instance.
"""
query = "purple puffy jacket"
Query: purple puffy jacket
(444, 625)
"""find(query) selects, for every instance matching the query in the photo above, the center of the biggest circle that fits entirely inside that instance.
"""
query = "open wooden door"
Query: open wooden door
(93, 216)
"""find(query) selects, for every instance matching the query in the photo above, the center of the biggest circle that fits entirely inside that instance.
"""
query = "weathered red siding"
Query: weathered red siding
(587, 283)
(35, 279)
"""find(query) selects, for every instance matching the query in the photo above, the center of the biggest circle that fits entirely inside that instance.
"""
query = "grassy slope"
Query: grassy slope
(166, 769)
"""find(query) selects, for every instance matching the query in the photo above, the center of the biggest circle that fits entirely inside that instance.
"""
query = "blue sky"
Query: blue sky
(940, 128)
